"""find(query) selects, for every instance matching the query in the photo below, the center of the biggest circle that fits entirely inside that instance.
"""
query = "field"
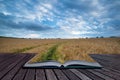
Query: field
(61, 49)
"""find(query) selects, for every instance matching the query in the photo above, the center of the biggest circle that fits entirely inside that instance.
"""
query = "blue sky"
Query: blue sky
(59, 18)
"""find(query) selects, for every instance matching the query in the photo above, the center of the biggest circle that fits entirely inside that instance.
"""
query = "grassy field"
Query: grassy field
(61, 49)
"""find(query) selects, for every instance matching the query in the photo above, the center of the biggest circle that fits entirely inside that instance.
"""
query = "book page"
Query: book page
(43, 64)
(82, 64)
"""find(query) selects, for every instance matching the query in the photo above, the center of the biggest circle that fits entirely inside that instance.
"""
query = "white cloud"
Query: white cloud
(95, 14)
(43, 8)
(48, 6)
(75, 32)
(98, 9)
(43, 12)
(6, 13)
(40, 12)
(74, 25)
(32, 36)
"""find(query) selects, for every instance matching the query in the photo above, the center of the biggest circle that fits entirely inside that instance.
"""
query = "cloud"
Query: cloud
(32, 36)
(75, 32)
(60, 18)
(9, 23)
(74, 25)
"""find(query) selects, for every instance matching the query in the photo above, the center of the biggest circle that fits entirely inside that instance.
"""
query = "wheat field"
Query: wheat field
(66, 49)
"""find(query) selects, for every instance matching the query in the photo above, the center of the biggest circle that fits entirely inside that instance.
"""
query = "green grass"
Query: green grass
(51, 54)
(24, 49)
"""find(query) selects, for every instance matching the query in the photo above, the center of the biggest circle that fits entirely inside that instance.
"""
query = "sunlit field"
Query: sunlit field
(61, 49)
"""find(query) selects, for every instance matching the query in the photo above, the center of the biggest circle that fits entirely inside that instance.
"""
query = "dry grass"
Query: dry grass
(79, 49)
(10, 45)
(69, 49)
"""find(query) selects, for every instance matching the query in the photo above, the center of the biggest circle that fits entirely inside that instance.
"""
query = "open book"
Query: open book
(67, 64)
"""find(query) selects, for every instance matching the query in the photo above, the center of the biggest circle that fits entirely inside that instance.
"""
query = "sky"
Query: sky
(59, 18)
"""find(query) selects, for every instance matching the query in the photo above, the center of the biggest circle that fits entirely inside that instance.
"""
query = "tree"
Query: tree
(97, 37)
(101, 37)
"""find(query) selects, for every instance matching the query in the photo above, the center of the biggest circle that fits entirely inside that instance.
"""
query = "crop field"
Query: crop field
(61, 49)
